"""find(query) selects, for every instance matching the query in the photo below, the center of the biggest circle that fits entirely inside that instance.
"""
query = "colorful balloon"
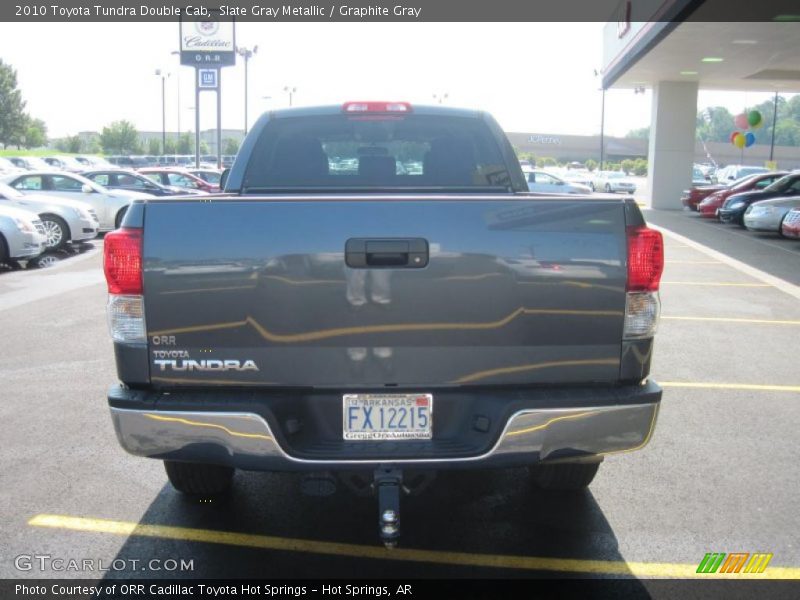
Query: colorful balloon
(741, 121)
(754, 119)
(739, 141)
(733, 137)
(749, 139)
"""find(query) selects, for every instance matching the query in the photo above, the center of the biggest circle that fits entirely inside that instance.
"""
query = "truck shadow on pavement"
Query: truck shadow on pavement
(488, 515)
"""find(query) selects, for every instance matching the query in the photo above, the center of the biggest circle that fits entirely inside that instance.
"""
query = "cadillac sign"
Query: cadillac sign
(205, 42)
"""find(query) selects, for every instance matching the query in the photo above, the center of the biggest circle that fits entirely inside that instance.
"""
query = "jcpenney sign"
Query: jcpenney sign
(544, 139)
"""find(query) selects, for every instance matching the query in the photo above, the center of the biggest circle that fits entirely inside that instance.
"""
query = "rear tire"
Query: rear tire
(57, 232)
(565, 477)
(4, 257)
(196, 479)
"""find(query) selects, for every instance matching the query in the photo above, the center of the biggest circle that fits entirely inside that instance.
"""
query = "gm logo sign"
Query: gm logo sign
(208, 78)
(737, 562)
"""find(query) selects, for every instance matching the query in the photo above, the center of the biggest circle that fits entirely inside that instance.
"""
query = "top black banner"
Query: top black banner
(613, 11)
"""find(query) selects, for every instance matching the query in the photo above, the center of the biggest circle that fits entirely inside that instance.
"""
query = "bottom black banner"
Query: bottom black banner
(119, 589)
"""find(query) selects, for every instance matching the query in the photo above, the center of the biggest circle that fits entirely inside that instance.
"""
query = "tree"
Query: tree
(74, 144)
(627, 166)
(591, 164)
(640, 167)
(120, 137)
(231, 146)
(154, 146)
(185, 143)
(12, 108)
(35, 134)
(639, 134)
(169, 147)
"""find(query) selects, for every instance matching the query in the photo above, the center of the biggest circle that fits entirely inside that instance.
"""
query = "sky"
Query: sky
(533, 77)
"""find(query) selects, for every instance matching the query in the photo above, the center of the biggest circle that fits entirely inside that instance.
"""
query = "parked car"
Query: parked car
(63, 220)
(581, 177)
(549, 183)
(181, 178)
(709, 206)
(9, 168)
(110, 206)
(699, 178)
(22, 234)
(134, 181)
(613, 181)
(211, 176)
(767, 215)
(30, 163)
(790, 227)
(734, 172)
(733, 209)
(64, 163)
(94, 162)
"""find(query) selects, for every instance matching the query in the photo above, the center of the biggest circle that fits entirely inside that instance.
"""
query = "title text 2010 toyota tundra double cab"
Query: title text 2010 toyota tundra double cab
(376, 291)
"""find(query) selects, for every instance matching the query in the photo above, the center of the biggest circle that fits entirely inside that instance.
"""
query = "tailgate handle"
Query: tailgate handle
(406, 253)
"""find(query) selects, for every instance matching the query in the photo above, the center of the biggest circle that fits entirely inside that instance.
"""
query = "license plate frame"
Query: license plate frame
(413, 411)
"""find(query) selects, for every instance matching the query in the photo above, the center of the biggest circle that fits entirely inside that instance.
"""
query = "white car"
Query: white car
(109, 205)
(22, 234)
(8, 168)
(29, 163)
(63, 220)
(540, 181)
(64, 163)
(613, 181)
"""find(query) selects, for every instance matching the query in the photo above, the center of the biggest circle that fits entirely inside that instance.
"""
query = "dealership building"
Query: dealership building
(677, 47)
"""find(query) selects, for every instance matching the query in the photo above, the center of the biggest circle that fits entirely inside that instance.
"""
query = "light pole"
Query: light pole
(441, 97)
(290, 90)
(160, 73)
(602, 120)
(246, 54)
(178, 91)
(774, 120)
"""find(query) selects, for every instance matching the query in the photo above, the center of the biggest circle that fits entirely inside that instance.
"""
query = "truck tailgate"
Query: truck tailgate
(257, 292)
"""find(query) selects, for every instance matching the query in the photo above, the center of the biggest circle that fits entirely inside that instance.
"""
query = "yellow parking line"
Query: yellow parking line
(733, 320)
(265, 542)
(718, 283)
(731, 386)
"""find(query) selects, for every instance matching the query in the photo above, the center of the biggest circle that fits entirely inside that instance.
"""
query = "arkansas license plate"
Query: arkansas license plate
(387, 416)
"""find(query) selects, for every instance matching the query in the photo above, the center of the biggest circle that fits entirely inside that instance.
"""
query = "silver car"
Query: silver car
(767, 215)
(613, 181)
(548, 183)
(63, 220)
(109, 205)
(22, 234)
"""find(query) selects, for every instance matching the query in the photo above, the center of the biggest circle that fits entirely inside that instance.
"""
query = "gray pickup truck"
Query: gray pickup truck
(374, 297)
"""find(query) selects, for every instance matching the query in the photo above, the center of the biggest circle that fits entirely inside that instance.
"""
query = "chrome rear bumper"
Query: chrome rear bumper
(245, 440)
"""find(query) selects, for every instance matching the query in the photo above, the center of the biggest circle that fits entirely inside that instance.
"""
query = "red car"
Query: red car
(709, 205)
(790, 227)
(691, 198)
(181, 178)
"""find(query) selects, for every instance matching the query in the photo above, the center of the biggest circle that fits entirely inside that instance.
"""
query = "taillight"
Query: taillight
(645, 259)
(122, 261)
(645, 265)
(376, 107)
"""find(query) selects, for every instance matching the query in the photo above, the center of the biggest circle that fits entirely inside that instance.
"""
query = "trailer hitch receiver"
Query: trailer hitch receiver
(388, 485)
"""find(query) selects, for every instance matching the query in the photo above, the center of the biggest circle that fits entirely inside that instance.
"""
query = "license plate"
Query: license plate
(387, 416)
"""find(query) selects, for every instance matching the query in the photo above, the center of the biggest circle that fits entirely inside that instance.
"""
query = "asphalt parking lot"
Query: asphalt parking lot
(720, 475)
